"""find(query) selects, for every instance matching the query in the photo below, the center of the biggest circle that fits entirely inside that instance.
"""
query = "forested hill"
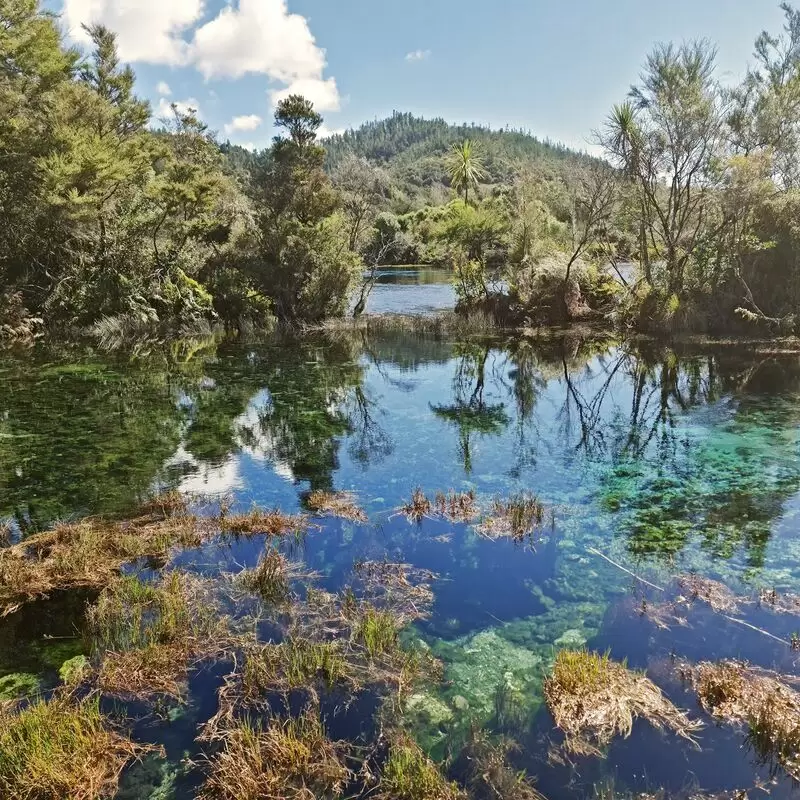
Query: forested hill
(405, 138)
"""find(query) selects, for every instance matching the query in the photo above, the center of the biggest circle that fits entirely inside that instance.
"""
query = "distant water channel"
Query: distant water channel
(412, 290)
(665, 460)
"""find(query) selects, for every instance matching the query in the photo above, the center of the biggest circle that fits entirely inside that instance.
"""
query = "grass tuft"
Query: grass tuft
(592, 699)
(377, 631)
(270, 579)
(408, 774)
(272, 523)
(290, 759)
(61, 748)
(87, 554)
(517, 518)
(336, 504)
(770, 709)
(146, 634)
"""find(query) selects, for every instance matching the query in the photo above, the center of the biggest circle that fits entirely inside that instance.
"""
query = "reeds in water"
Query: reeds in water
(592, 699)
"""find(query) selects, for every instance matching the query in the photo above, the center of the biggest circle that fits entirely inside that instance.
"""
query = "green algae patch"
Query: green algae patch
(477, 665)
(592, 699)
(57, 748)
(19, 684)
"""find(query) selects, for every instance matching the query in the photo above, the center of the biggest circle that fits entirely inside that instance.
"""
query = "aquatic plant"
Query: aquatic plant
(408, 774)
(716, 594)
(762, 701)
(336, 504)
(452, 506)
(269, 579)
(166, 504)
(376, 631)
(293, 664)
(517, 518)
(488, 773)
(87, 554)
(418, 507)
(61, 747)
(144, 635)
(593, 698)
(288, 759)
(272, 523)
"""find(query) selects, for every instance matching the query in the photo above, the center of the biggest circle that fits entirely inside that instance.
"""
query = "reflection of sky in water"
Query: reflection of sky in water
(663, 463)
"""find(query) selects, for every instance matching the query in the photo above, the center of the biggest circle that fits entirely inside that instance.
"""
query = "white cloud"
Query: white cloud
(247, 122)
(418, 55)
(324, 94)
(165, 107)
(147, 31)
(262, 37)
(324, 132)
(246, 37)
(163, 89)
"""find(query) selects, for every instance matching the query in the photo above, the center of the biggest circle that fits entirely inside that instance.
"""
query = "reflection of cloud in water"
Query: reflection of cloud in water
(211, 480)
(256, 440)
(253, 438)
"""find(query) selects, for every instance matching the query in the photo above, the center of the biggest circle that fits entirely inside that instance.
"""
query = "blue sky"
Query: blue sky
(551, 67)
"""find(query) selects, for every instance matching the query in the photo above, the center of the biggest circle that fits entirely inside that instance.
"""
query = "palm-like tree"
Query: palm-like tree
(625, 142)
(465, 167)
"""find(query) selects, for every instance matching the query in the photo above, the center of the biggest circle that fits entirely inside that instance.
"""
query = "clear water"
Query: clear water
(412, 291)
(663, 460)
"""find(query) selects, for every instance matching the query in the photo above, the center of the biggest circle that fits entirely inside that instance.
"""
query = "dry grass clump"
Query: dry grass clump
(516, 518)
(167, 504)
(489, 775)
(780, 603)
(271, 523)
(418, 507)
(147, 634)
(61, 748)
(452, 506)
(336, 504)
(716, 594)
(291, 759)
(745, 695)
(593, 698)
(401, 588)
(408, 774)
(87, 554)
(456, 506)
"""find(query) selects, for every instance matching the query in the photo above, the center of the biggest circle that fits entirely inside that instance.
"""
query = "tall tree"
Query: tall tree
(464, 165)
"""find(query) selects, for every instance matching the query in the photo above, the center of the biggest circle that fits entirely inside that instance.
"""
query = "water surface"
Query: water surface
(664, 460)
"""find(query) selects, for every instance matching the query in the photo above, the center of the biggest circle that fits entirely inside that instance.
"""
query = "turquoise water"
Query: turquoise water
(662, 460)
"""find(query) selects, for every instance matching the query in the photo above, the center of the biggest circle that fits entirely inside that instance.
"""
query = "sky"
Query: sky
(552, 67)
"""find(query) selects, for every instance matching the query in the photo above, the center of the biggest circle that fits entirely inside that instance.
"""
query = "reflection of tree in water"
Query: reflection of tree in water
(285, 402)
(86, 436)
(470, 412)
(725, 482)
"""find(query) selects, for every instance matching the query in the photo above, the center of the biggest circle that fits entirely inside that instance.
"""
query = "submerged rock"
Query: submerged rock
(573, 638)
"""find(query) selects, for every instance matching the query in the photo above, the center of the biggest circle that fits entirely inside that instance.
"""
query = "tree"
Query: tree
(668, 141)
(362, 188)
(303, 260)
(594, 203)
(464, 165)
